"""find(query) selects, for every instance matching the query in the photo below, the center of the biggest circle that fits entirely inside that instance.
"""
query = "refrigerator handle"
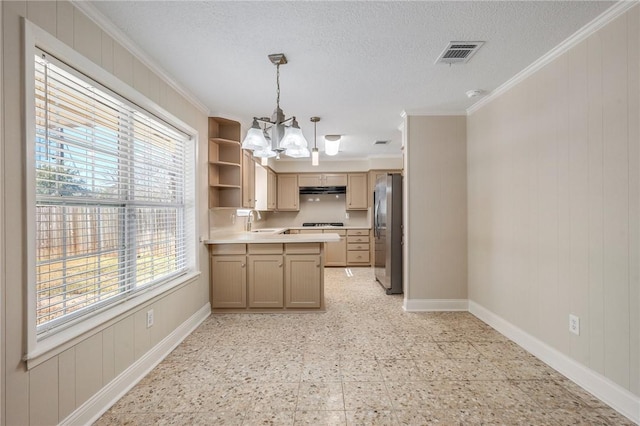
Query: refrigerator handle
(376, 223)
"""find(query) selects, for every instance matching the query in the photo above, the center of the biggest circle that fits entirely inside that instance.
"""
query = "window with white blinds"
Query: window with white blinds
(110, 197)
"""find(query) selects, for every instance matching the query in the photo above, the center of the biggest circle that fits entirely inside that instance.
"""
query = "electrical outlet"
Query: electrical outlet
(149, 318)
(574, 324)
(346, 215)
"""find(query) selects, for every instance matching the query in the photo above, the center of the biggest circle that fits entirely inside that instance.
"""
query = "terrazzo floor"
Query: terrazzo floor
(363, 361)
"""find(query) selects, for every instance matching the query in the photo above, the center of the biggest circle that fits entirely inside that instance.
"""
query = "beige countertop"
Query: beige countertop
(328, 227)
(269, 235)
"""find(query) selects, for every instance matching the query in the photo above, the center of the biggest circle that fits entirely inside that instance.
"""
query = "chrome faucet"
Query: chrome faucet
(250, 218)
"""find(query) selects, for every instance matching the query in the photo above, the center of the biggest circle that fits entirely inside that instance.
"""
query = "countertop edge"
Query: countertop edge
(250, 238)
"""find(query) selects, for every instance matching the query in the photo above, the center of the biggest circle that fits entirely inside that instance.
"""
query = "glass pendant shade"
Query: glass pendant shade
(297, 152)
(255, 139)
(264, 153)
(294, 139)
(315, 157)
(331, 144)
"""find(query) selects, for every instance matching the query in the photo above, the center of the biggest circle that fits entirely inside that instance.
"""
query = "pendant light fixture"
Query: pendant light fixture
(315, 155)
(284, 138)
(332, 144)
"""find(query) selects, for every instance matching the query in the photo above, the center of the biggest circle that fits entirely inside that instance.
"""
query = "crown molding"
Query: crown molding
(109, 27)
(423, 113)
(599, 22)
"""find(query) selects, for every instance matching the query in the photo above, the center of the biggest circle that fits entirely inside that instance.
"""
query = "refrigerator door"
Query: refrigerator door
(380, 231)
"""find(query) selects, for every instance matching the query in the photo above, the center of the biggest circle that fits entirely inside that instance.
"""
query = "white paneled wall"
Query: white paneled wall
(553, 190)
(51, 391)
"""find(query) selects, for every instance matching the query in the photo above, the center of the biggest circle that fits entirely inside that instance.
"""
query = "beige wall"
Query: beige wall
(49, 392)
(436, 217)
(553, 202)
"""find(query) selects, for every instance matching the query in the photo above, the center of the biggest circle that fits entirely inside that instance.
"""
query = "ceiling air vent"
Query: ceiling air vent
(459, 52)
(381, 142)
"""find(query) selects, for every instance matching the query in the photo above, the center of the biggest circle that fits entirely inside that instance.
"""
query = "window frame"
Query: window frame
(43, 346)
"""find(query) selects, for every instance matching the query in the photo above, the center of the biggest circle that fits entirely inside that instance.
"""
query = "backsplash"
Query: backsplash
(313, 208)
(318, 208)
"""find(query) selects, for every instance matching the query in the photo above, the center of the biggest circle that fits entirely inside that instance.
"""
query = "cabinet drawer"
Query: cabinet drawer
(358, 256)
(357, 239)
(358, 232)
(340, 232)
(302, 248)
(265, 248)
(228, 249)
(358, 246)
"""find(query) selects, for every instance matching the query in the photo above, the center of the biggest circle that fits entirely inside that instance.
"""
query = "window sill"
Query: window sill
(59, 342)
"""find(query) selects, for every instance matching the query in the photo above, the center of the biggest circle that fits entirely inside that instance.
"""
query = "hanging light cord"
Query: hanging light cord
(315, 134)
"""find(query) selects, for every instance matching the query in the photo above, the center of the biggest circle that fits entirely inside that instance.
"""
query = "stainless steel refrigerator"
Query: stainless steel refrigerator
(387, 230)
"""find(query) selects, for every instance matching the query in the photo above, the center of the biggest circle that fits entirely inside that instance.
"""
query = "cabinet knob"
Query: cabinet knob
(280, 265)
(243, 265)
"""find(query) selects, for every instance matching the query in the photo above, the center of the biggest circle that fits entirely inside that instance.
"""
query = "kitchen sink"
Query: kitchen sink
(268, 230)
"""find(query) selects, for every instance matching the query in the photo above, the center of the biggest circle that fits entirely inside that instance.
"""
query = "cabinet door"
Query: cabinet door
(357, 191)
(272, 190)
(261, 188)
(228, 281)
(248, 180)
(338, 179)
(336, 252)
(266, 281)
(309, 180)
(303, 281)
(288, 192)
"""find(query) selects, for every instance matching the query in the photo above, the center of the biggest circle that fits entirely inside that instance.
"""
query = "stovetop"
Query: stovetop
(323, 224)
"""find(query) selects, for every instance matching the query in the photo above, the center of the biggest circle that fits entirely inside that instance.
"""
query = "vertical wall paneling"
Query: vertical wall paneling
(572, 131)
(108, 355)
(107, 52)
(616, 201)
(64, 22)
(140, 77)
(123, 346)
(87, 37)
(51, 391)
(122, 64)
(43, 14)
(435, 234)
(66, 383)
(16, 382)
(578, 197)
(595, 332)
(633, 75)
(88, 368)
(43, 404)
(141, 335)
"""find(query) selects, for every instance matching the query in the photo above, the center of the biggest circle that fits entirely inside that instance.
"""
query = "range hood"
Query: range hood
(304, 190)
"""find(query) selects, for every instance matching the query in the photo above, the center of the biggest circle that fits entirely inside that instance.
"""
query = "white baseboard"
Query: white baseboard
(95, 406)
(428, 305)
(611, 393)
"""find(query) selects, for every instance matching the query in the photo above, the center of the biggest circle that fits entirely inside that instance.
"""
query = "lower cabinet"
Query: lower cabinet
(267, 276)
(302, 282)
(266, 281)
(228, 281)
(336, 252)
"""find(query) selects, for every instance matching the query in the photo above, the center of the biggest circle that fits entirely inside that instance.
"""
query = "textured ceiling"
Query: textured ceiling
(357, 65)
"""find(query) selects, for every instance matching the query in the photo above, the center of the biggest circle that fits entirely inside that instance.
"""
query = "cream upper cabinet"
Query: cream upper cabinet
(272, 190)
(248, 180)
(309, 180)
(288, 192)
(325, 179)
(261, 183)
(357, 191)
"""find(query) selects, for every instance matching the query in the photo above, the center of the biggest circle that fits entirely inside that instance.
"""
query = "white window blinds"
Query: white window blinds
(110, 197)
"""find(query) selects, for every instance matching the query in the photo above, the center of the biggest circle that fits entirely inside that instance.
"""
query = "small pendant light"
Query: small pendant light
(315, 155)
